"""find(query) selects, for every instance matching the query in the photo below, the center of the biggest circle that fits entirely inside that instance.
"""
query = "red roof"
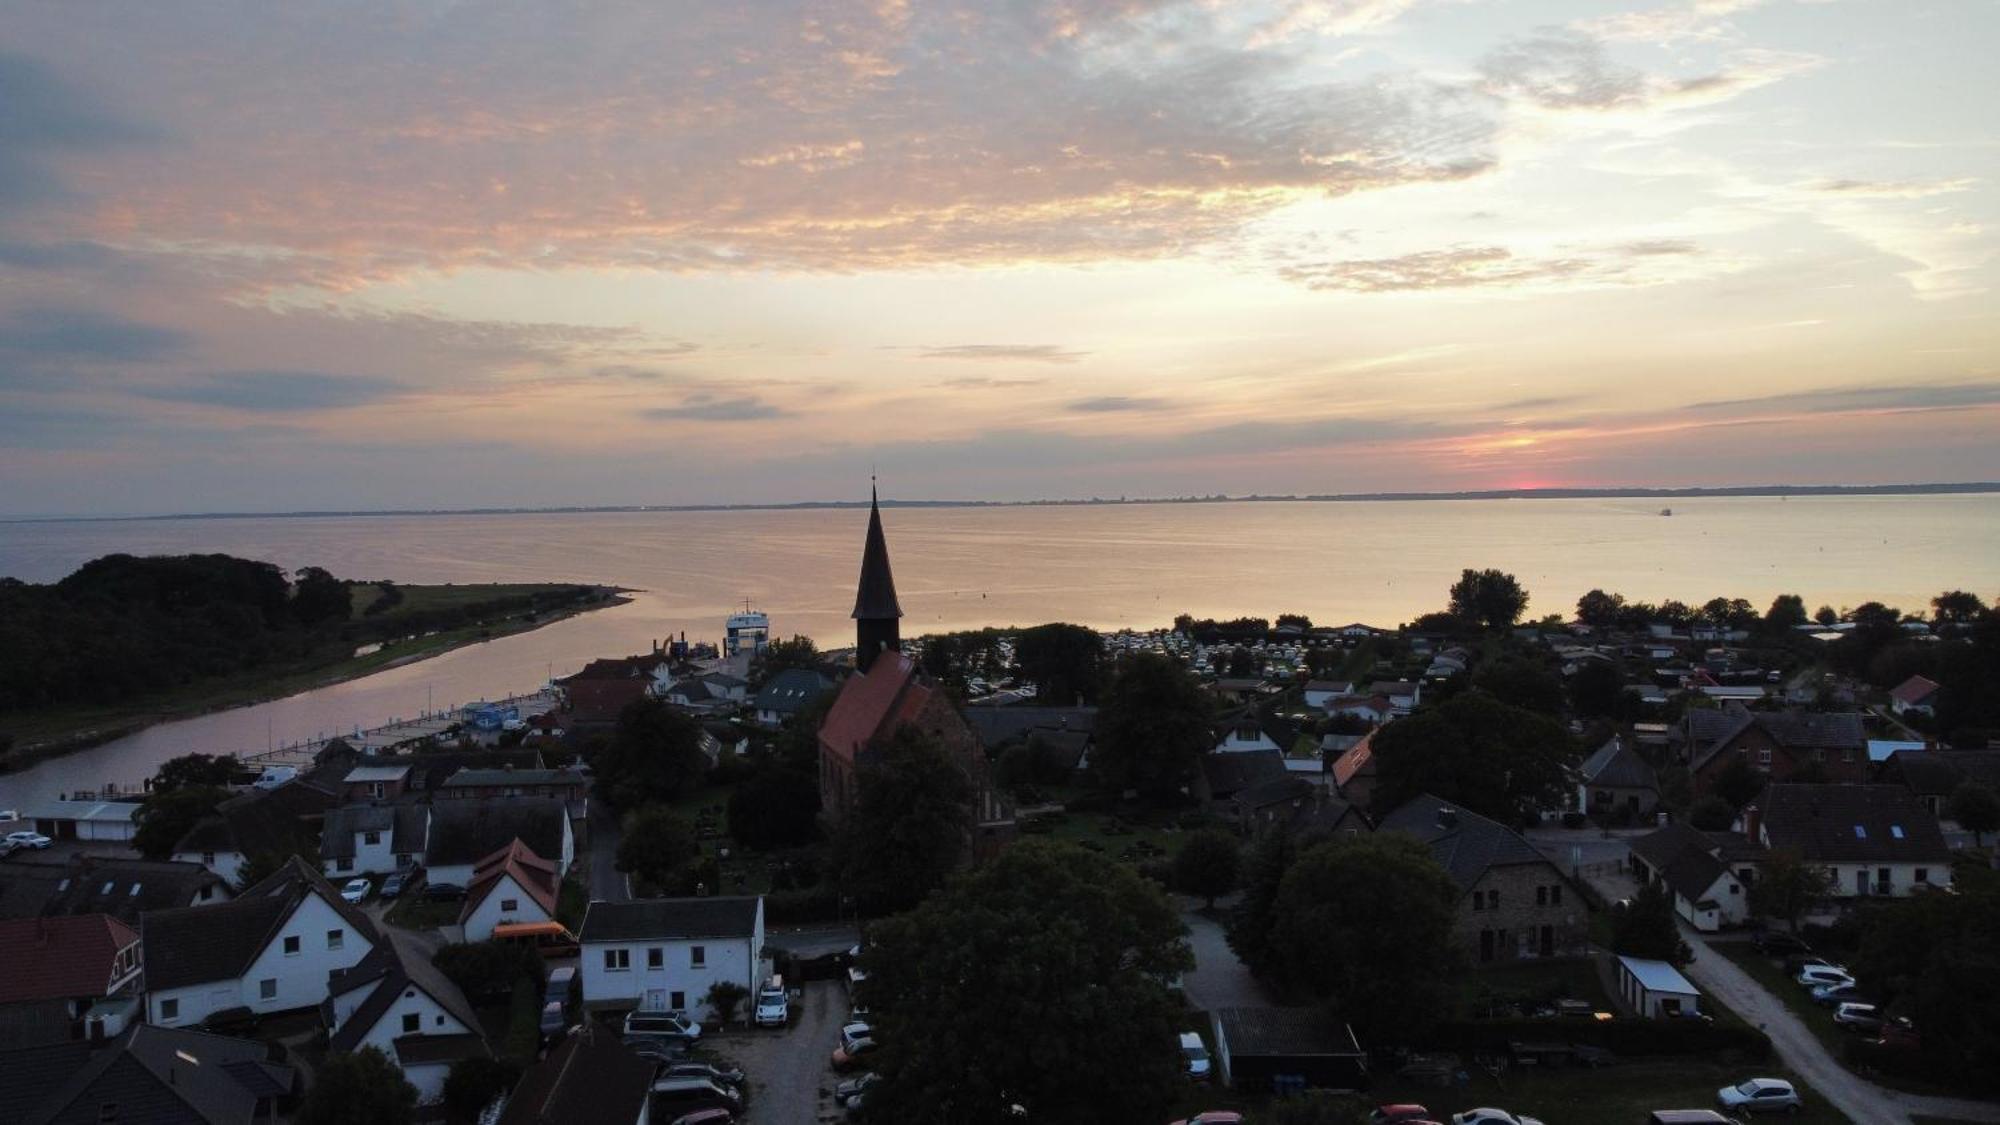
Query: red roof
(874, 703)
(1913, 691)
(1356, 759)
(602, 700)
(536, 876)
(62, 958)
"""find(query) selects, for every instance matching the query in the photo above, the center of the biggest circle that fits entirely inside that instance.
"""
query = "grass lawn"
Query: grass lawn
(415, 912)
(1531, 982)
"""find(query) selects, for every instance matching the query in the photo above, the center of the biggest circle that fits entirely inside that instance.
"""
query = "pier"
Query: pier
(394, 734)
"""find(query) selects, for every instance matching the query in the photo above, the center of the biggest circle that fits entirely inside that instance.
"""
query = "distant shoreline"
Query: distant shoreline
(1754, 490)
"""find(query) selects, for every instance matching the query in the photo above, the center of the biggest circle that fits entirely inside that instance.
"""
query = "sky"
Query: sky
(299, 256)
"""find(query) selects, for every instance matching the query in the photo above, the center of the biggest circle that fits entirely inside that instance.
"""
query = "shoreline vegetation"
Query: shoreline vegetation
(388, 625)
(1693, 493)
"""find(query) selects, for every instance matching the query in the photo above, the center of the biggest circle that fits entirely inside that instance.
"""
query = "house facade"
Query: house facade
(1514, 904)
(665, 954)
(465, 832)
(513, 886)
(373, 839)
(1777, 744)
(1616, 780)
(1872, 840)
(395, 1001)
(1693, 867)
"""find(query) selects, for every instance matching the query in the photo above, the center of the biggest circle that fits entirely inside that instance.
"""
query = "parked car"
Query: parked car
(1800, 962)
(394, 883)
(1812, 976)
(443, 892)
(1196, 1053)
(716, 1116)
(1760, 1095)
(854, 1033)
(1858, 1017)
(685, 1095)
(853, 1056)
(561, 982)
(356, 890)
(554, 1021)
(663, 1025)
(659, 1050)
(29, 839)
(727, 1075)
(1827, 995)
(1398, 1114)
(1486, 1115)
(774, 1004)
(854, 1087)
(1777, 943)
(1213, 1117)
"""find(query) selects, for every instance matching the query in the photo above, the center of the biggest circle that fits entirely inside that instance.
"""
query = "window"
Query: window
(170, 1010)
(208, 859)
(1764, 758)
(697, 957)
(292, 946)
(1541, 896)
(1921, 875)
(1479, 900)
(677, 1001)
(1896, 830)
(412, 1023)
(335, 938)
(1493, 902)
(617, 960)
(267, 989)
(371, 838)
(509, 905)
(656, 958)
(107, 1111)
(344, 863)
(1860, 833)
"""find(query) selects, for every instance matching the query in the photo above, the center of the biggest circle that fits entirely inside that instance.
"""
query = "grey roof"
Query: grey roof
(395, 772)
(471, 778)
(405, 825)
(1937, 773)
(1464, 843)
(668, 918)
(195, 944)
(432, 768)
(1618, 766)
(465, 832)
(1867, 823)
(281, 821)
(125, 888)
(792, 690)
(1285, 1032)
(1711, 732)
(30, 1074)
(397, 964)
(590, 1076)
(723, 680)
(148, 1075)
(1230, 772)
(875, 594)
(1684, 857)
(997, 726)
(1273, 790)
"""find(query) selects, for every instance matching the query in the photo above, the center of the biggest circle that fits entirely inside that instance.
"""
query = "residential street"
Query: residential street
(1218, 979)
(788, 1070)
(607, 883)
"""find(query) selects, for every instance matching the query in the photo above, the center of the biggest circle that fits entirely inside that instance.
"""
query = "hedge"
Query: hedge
(813, 904)
(1619, 1036)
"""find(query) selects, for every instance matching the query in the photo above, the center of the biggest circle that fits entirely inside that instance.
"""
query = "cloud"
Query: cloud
(1466, 267)
(1565, 69)
(985, 382)
(1845, 400)
(716, 408)
(1330, 17)
(59, 255)
(1695, 19)
(71, 333)
(1029, 353)
(1116, 404)
(42, 117)
(276, 392)
(1893, 189)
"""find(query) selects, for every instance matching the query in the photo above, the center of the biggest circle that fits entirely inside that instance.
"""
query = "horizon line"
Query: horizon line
(1631, 492)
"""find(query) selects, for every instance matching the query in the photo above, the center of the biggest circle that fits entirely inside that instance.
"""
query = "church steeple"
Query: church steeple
(877, 616)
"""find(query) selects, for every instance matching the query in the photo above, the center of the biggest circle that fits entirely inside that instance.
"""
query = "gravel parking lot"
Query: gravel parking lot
(789, 1076)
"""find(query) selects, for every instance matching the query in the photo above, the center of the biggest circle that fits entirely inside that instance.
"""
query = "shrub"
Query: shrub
(814, 904)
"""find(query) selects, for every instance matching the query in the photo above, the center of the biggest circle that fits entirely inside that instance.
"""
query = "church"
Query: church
(885, 694)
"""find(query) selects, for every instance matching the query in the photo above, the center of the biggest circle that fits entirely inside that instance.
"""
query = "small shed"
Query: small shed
(1285, 1049)
(1656, 989)
(85, 820)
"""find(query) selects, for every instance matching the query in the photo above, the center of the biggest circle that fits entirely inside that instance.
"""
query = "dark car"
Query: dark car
(726, 1075)
(1774, 943)
(395, 883)
(444, 892)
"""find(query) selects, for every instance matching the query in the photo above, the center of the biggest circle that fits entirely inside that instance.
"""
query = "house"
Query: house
(1320, 692)
(1779, 744)
(1374, 709)
(872, 706)
(470, 784)
(1694, 868)
(1916, 695)
(788, 694)
(664, 954)
(1934, 775)
(271, 822)
(1872, 839)
(726, 688)
(85, 820)
(1616, 779)
(1655, 989)
(395, 1001)
(157, 1075)
(373, 839)
(1247, 733)
(589, 1076)
(1293, 803)
(720, 736)
(74, 963)
(430, 770)
(1514, 904)
(1223, 776)
(127, 888)
(1241, 689)
(381, 781)
(270, 949)
(1354, 772)
(1279, 1049)
(465, 832)
(1403, 695)
(509, 887)
(594, 697)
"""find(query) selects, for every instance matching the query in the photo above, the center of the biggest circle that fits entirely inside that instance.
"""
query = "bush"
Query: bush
(726, 996)
(487, 970)
(815, 904)
(473, 1084)
(1619, 1036)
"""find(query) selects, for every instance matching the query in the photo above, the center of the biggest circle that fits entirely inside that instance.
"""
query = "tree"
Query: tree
(1598, 689)
(1243, 663)
(319, 597)
(1270, 855)
(1933, 958)
(1976, 810)
(725, 996)
(358, 1088)
(1646, 926)
(776, 807)
(1207, 865)
(654, 754)
(473, 1084)
(1495, 759)
(1737, 782)
(1521, 682)
(1712, 814)
(1957, 607)
(1296, 620)
(171, 814)
(1061, 660)
(1788, 611)
(657, 844)
(779, 656)
(1037, 980)
(1389, 981)
(910, 826)
(216, 770)
(1493, 599)
(1826, 615)
(1787, 887)
(258, 866)
(1598, 609)
(486, 970)
(1152, 728)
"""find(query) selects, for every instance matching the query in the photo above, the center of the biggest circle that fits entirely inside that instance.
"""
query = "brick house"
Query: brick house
(1514, 905)
(1778, 744)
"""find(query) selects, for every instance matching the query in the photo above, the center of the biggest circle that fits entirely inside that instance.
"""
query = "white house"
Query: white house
(1403, 695)
(270, 949)
(1873, 840)
(1244, 736)
(1691, 866)
(1656, 989)
(395, 1001)
(373, 839)
(85, 820)
(509, 887)
(1320, 692)
(1371, 708)
(1916, 694)
(664, 954)
(465, 832)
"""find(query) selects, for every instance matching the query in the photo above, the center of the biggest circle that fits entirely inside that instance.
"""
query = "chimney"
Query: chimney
(1447, 817)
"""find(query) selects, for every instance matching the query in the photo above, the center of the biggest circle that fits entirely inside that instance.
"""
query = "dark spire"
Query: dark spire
(875, 606)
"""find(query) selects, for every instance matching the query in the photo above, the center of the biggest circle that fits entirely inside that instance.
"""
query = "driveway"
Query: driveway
(1218, 979)
(607, 883)
(787, 1069)
(1798, 1048)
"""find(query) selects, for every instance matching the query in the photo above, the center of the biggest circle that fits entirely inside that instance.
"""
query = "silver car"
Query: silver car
(1760, 1095)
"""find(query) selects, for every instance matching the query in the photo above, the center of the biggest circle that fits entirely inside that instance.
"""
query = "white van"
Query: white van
(1196, 1053)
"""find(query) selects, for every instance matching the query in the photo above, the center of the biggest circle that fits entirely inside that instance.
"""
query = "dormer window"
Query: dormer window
(1860, 833)
(1896, 830)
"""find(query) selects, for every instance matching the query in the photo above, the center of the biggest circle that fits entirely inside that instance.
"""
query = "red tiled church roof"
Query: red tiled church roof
(874, 703)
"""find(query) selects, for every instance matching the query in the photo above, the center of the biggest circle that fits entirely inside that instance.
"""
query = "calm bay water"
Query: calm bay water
(1109, 566)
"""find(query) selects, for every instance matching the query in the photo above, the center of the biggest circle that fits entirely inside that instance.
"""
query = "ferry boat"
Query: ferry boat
(747, 633)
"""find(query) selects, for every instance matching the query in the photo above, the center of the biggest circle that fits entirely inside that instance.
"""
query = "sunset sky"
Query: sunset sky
(302, 255)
